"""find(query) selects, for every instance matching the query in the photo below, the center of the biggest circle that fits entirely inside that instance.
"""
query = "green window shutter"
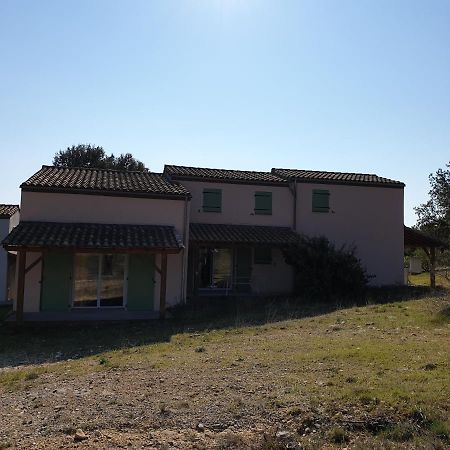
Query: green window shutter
(320, 200)
(262, 255)
(140, 287)
(263, 203)
(212, 200)
(56, 281)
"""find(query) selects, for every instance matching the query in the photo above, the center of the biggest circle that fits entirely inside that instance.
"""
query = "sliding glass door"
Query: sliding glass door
(85, 280)
(99, 280)
(111, 283)
(216, 268)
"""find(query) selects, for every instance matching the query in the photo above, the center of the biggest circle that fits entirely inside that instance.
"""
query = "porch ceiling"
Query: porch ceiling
(414, 238)
(92, 237)
(202, 233)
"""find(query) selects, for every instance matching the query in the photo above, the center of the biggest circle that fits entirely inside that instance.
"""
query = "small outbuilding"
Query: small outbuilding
(9, 218)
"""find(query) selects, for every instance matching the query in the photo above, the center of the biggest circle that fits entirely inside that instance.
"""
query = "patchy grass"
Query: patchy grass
(423, 279)
(11, 379)
(355, 374)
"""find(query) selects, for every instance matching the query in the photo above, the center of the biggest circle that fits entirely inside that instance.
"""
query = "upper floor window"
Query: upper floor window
(212, 200)
(263, 202)
(320, 200)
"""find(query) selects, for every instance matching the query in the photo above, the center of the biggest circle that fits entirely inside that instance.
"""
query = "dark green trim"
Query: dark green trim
(320, 200)
(56, 291)
(140, 282)
(212, 200)
(263, 203)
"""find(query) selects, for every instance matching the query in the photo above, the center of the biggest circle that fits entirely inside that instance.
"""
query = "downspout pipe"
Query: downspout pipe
(293, 189)
(186, 248)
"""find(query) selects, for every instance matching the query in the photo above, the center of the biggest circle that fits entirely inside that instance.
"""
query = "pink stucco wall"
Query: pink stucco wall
(369, 217)
(238, 204)
(57, 207)
(274, 278)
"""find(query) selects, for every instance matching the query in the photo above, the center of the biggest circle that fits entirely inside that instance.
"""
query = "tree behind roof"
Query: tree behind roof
(94, 156)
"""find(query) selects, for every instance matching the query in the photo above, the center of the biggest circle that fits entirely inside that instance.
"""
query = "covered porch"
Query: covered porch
(91, 271)
(416, 239)
(238, 259)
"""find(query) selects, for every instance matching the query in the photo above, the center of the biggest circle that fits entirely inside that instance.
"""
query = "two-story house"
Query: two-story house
(114, 244)
(94, 240)
(241, 220)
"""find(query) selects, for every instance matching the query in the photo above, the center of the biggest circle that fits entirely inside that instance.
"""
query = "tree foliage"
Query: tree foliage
(434, 215)
(88, 155)
(323, 271)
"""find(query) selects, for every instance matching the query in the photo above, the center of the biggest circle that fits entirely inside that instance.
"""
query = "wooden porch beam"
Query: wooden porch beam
(163, 287)
(158, 269)
(22, 259)
(33, 264)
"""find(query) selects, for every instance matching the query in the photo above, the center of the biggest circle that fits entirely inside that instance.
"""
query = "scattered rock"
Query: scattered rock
(430, 366)
(200, 427)
(80, 435)
(282, 434)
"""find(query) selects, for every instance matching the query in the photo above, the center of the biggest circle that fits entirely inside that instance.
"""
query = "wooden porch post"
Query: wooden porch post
(432, 267)
(22, 258)
(163, 286)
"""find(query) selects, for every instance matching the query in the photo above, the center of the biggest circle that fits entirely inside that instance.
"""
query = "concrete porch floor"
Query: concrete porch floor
(81, 315)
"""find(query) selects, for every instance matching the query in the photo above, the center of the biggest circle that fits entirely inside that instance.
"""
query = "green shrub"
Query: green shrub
(441, 429)
(401, 432)
(31, 376)
(200, 349)
(323, 271)
(338, 435)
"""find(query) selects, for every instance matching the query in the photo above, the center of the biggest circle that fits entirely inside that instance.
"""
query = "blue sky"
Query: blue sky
(358, 86)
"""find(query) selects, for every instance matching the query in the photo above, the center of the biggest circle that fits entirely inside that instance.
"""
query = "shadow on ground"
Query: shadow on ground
(44, 343)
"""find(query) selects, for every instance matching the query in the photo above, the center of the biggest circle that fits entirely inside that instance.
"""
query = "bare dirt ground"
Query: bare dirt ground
(367, 377)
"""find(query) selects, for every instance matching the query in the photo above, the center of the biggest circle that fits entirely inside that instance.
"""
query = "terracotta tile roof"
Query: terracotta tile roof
(241, 234)
(222, 175)
(92, 236)
(115, 182)
(320, 176)
(6, 211)
(415, 238)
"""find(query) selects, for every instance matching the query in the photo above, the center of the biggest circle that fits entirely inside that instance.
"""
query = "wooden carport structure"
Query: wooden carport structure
(417, 239)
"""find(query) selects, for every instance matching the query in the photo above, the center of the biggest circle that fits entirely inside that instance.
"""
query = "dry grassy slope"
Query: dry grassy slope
(370, 376)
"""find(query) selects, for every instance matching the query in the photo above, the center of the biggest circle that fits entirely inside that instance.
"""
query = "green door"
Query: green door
(56, 281)
(141, 283)
(243, 269)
